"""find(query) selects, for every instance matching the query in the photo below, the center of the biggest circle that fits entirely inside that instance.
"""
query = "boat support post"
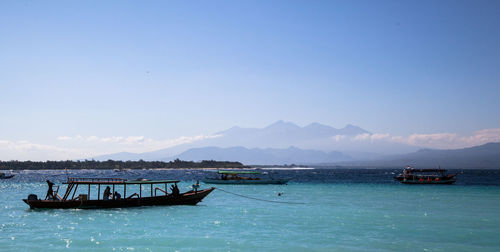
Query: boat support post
(68, 191)
(76, 188)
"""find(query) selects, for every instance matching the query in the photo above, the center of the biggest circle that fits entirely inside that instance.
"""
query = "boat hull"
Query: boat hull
(247, 182)
(416, 182)
(187, 198)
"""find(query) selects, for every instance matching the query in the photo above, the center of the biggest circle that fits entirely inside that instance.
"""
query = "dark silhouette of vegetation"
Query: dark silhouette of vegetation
(112, 164)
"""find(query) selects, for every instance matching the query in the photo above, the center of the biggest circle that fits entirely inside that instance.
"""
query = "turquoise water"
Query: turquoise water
(336, 217)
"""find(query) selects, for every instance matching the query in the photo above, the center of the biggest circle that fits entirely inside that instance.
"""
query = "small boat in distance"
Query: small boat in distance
(112, 198)
(425, 176)
(4, 176)
(249, 177)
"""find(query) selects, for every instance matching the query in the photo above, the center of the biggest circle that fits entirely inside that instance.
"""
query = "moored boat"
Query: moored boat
(425, 176)
(157, 196)
(5, 176)
(243, 178)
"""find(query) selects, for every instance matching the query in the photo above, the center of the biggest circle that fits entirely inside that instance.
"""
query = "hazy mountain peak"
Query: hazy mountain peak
(282, 124)
(350, 129)
(318, 126)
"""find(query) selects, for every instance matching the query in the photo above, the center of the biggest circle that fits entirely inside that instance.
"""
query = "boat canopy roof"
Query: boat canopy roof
(238, 172)
(114, 181)
(166, 181)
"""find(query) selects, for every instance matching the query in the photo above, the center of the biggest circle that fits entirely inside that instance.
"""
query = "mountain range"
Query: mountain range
(272, 143)
(486, 156)
(287, 143)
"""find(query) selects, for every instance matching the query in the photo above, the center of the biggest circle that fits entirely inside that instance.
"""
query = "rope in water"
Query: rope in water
(272, 201)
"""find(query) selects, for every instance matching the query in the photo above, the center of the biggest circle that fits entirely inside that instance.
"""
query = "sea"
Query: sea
(318, 210)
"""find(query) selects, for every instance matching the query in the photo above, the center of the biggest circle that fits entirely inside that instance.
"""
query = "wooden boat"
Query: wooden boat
(161, 198)
(4, 176)
(234, 177)
(426, 176)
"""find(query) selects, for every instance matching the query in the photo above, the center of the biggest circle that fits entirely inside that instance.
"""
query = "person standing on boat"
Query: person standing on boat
(107, 193)
(50, 192)
(196, 186)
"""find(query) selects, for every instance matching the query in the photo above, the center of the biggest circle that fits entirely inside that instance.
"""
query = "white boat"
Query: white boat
(243, 178)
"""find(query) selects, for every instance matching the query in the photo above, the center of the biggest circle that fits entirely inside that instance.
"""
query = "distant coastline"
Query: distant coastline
(117, 165)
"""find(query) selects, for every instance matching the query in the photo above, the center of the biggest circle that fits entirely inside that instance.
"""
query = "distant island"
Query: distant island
(112, 164)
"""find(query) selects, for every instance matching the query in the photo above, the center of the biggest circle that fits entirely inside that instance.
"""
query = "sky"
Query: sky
(177, 71)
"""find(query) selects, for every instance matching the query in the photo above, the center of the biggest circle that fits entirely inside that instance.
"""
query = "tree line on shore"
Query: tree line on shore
(114, 164)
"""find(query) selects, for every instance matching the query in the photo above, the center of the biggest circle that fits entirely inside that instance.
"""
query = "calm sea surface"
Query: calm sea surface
(343, 210)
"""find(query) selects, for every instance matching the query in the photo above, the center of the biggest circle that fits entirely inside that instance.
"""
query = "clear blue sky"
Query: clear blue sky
(164, 69)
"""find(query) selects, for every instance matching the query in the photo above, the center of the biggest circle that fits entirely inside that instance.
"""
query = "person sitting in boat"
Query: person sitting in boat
(117, 196)
(50, 191)
(107, 193)
(175, 190)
